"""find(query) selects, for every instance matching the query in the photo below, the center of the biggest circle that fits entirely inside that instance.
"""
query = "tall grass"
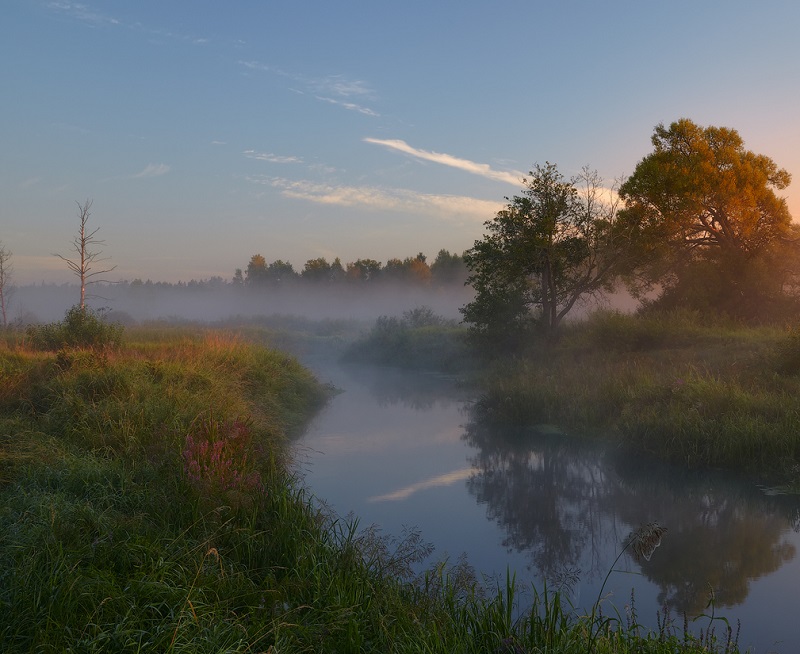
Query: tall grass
(687, 391)
(147, 506)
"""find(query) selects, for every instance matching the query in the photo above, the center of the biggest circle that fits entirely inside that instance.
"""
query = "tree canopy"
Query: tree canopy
(547, 249)
(707, 214)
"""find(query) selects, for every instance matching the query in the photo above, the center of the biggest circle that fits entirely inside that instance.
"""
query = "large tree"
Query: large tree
(549, 248)
(708, 217)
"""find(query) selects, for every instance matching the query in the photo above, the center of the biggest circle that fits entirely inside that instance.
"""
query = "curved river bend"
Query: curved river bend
(401, 450)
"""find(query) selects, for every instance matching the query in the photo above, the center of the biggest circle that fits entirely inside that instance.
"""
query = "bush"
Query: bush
(419, 340)
(80, 328)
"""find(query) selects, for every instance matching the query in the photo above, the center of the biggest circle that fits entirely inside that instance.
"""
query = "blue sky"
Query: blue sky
(206, 132)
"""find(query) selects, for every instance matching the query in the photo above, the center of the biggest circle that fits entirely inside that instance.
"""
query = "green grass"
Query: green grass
(675, 386)
(114, 540)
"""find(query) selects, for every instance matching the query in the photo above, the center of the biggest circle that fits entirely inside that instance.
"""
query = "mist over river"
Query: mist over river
(402, 450)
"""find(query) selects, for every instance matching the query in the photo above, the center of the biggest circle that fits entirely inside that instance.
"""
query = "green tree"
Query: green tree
(549, 248)
(279, 272)
(365, 270)
(256, 272)
(708, 220)
(448, 268)
(316, 270)
(337, 271)
(394, 270)
(319, 270)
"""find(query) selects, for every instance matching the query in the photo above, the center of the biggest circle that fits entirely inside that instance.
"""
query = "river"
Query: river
(402, 451)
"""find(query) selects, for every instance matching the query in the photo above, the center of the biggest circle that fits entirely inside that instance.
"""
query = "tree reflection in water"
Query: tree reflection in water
(565, 501)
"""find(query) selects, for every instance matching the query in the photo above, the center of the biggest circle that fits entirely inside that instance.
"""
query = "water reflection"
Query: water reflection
(568, 502)
(446, 479)
(547, 492)
(724, 534)
(406, 451)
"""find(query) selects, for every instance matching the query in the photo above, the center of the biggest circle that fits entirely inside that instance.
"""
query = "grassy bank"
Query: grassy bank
(147, 506)
(677, 386)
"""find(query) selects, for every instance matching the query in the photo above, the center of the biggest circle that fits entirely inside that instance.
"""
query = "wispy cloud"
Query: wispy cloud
(272, 158)
(351, 106)
(484, 170)
(338, 90)
(83, 13)
(342, 87)
(152, 170)
(86, 14)
(449, 207)
(215, 142)
(447, 479)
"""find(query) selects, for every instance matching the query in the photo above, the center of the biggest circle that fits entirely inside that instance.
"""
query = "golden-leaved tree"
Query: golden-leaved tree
(711, 228)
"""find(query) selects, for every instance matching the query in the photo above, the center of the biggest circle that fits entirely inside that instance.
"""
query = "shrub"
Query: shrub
(420, 340)
(80, 328)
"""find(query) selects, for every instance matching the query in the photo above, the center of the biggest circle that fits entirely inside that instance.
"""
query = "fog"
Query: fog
(212, 303)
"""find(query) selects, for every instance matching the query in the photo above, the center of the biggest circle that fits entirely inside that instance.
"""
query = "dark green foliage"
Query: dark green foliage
(81, 328)
(549, 249)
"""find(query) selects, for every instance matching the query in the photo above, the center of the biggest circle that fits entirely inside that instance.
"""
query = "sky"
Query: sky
(205, 132)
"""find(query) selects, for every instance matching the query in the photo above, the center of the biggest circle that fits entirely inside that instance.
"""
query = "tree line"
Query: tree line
(698, 225)
(446, 269)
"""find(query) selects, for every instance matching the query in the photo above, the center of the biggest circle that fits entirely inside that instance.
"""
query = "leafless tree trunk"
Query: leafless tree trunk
(5, 281)
(88, 258)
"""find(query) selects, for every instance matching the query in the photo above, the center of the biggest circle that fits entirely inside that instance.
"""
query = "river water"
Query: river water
(403, 451)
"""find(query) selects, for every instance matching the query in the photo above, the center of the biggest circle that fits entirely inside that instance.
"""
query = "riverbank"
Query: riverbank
(148, 506)
(680, 387)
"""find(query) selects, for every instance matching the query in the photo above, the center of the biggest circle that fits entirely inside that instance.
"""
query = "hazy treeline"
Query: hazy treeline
(361, 290)
(445, 269)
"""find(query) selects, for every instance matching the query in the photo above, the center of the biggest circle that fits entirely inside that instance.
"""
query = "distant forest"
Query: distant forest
(446, 269)
(363, 289)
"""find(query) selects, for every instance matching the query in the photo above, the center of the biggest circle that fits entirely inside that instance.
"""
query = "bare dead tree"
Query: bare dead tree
(84, 266)
(5, 281)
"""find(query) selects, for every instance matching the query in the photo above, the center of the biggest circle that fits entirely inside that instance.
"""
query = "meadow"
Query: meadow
(149, 504)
